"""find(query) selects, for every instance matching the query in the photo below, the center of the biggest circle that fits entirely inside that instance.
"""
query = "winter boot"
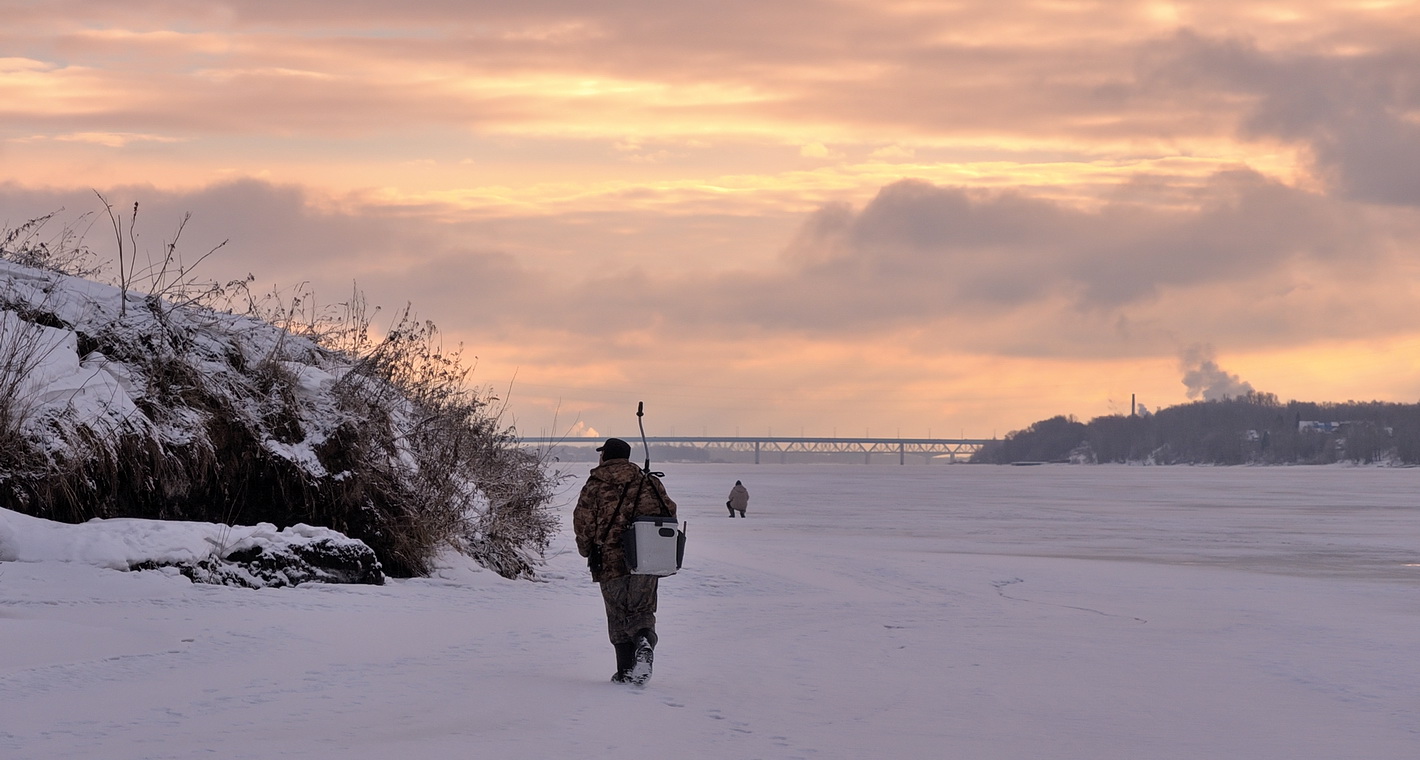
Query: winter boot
(641, 667)
(625, 659)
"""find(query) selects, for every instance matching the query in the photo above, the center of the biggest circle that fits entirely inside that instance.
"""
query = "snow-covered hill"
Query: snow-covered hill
(115, 403)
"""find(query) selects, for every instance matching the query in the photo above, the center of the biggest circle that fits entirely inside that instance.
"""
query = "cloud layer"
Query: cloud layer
(805, 214)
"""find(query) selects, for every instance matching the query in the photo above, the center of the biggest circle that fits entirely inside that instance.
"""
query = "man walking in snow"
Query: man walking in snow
(739, 499)
(616, 492)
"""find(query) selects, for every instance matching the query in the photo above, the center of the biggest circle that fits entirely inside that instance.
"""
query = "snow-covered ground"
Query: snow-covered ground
(860, 612)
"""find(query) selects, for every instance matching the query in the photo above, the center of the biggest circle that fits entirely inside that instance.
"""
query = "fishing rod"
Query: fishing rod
(641, 412)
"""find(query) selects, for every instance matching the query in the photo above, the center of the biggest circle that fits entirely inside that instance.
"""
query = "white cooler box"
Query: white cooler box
(654, 545)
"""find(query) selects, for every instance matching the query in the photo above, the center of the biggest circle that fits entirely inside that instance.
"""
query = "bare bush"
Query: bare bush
(231, 420)
(20, 353)
(62, 252)
(164, 280)
(468, 483)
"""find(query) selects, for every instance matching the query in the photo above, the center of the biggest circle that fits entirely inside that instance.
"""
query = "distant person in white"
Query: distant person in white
(739, 499)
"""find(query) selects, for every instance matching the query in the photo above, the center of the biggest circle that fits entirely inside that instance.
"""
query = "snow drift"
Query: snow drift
(257, 556)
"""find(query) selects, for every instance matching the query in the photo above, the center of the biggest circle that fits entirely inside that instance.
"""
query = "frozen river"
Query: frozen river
(1314, 521)
(859, 612)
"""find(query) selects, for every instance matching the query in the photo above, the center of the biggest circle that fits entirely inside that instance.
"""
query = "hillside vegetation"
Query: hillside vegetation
(156, 395)
(1251, 429)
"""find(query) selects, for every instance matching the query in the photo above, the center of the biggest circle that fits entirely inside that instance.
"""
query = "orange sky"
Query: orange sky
(883, 217)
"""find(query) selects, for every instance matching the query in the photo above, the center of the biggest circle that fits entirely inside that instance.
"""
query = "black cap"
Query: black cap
(615, 448)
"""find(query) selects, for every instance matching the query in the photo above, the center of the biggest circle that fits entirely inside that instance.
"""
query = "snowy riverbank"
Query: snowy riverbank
(974, 612)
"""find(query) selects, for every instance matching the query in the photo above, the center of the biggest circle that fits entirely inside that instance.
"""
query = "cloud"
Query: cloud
(793, 71)
(903, 291)
(1205, 379)
(286, 236)
(893, 152)
(919, 252)
(110, 139)
(1354, 110)
(991, 271)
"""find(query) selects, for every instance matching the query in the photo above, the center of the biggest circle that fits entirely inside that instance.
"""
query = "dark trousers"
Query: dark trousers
(630, 606)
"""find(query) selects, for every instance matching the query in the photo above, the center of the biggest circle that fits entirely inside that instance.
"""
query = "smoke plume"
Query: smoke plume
(1205, 379)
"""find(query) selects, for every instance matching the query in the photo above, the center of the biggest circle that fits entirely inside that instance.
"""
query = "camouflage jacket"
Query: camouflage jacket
(615, 492)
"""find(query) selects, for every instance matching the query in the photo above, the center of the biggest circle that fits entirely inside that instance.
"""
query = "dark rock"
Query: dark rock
(273, 566)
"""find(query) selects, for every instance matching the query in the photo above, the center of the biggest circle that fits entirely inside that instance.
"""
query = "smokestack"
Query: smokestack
(1131, 405)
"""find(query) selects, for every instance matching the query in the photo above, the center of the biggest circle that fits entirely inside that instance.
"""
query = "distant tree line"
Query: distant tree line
(1251, 429)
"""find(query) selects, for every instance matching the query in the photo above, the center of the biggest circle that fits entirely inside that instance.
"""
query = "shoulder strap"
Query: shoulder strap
(616, 514)
(665, 510)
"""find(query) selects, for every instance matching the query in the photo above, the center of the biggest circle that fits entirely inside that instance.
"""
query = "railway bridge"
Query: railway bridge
(952, 449)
